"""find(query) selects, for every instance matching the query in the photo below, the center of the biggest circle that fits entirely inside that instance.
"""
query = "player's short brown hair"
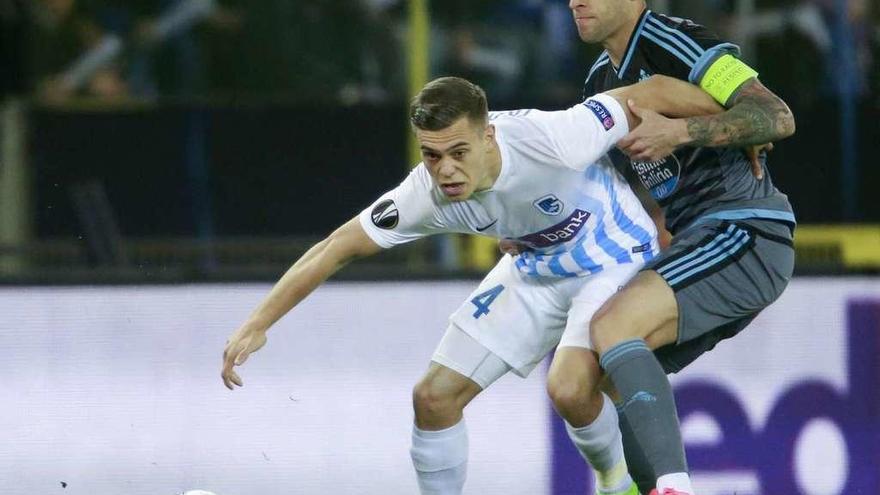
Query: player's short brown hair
(445, 100)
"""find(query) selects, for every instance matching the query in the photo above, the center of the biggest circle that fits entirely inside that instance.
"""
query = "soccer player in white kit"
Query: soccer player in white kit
(532, 177)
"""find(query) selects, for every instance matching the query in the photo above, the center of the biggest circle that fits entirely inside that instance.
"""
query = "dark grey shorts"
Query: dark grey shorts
(723, 274)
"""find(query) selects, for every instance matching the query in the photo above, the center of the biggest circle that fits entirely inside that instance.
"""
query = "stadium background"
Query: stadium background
(162, 161)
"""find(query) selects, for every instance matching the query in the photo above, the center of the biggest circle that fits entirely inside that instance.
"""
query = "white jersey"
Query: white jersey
(554, 194)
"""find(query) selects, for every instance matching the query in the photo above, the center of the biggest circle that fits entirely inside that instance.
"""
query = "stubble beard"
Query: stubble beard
(594, 36)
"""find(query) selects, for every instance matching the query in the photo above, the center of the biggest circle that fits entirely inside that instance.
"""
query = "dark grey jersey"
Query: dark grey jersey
(693, 183)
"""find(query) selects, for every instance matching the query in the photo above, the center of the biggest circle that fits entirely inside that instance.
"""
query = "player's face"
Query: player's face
(596, 20)
(460, 158)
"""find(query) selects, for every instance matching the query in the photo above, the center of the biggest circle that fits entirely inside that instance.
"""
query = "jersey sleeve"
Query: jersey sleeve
(711, 48)
(584, 133)
(403, 214)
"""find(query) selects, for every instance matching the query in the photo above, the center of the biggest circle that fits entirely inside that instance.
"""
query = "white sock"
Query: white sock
(440, 458)
(678, 481)
(601, 444)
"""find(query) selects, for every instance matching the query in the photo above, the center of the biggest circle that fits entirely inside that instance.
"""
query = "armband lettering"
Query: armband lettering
(725, 76)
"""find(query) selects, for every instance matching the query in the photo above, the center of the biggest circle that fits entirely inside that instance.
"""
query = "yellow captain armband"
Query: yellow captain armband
(725, 76)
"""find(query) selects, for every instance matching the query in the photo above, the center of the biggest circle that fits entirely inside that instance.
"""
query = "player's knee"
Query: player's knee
(430, 400)
(578, 402)
(567, 393)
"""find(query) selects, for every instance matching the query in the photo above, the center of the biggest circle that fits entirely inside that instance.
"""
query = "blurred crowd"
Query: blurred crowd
(113, 49)
(355, 51)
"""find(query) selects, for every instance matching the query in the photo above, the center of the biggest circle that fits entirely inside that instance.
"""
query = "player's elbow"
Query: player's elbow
(787, 125)
(782, 121)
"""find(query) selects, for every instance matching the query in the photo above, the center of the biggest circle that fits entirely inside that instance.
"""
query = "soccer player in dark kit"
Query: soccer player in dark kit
(731, 253)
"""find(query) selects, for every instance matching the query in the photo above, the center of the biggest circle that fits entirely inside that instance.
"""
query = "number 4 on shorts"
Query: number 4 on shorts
(484, 299)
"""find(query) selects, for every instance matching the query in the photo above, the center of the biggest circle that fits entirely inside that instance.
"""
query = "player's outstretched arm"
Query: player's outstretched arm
(652, 135)
(665, 95)
(348, 242)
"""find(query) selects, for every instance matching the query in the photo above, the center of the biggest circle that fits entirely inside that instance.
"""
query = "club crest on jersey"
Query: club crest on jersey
(549, 205)
(385, 215)
(660, 177)
(601, 113)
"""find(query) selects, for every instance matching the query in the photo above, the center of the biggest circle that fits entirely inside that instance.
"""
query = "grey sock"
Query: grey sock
(639, 467)
(647, 404)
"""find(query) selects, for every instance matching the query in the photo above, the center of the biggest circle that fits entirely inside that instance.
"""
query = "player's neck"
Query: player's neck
(616, 43)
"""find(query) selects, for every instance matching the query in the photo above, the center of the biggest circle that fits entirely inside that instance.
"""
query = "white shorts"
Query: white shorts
(520, 319)
(459, 352)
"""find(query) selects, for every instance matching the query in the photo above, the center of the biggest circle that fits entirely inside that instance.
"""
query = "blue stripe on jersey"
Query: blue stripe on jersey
(688, 60)
(728, 252)
(746, 213)
(546, 264)
(710, 56)
(527, 263)
(593, 71)
(539, 258)
(556, 267)
(602, 60)
(597, 208)
(697, 252)
(677, 33)
(634, 230)
(608, 245)
(580, 256)
(632, 48)
(664, 39)
(624, 222)
(530, 262)
(627, 225)
(738, 238)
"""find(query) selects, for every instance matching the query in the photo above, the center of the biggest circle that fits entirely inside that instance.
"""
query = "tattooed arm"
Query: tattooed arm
(756, 116)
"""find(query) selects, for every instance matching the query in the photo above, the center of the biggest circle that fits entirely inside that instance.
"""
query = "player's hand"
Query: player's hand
(511, 247)
(240, 345)
(655, 138)
(754, 155)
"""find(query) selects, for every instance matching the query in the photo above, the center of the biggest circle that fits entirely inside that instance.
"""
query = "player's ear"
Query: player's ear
(489, 133)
